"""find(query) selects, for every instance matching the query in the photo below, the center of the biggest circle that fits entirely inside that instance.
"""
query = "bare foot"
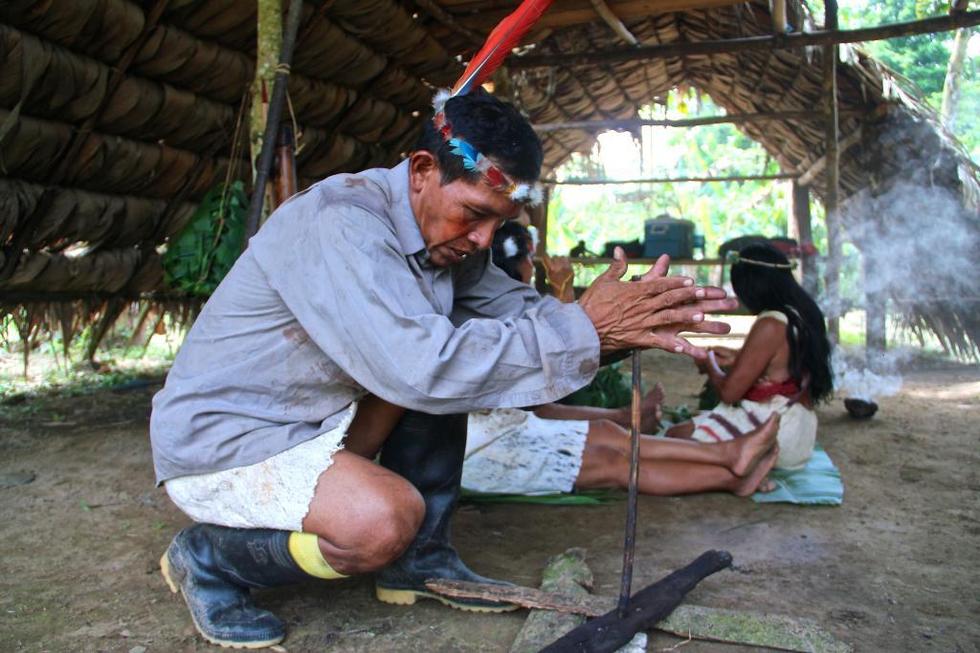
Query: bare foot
(750, 448)
(757, 480)
(651, 410)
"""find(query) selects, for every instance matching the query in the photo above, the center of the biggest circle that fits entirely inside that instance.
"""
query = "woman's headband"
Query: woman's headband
(738, 258)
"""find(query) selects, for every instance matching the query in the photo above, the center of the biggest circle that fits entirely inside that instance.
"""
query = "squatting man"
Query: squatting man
(377, 283)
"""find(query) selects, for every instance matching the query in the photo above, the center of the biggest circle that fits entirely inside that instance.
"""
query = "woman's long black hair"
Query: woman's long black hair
(763, 288)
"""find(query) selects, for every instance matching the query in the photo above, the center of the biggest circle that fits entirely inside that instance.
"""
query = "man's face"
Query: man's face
(456, 219)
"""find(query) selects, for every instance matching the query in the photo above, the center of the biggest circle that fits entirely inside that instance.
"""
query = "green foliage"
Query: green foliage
(609, 389)
(200, 257)
(708, 398)
(922, 58)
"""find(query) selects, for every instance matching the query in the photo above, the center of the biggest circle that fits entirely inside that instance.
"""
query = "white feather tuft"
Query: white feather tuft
(439, 100)
(510, 247)
(527, 193)
(531, 229)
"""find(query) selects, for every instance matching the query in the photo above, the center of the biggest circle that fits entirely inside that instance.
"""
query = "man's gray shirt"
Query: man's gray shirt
(334, 298)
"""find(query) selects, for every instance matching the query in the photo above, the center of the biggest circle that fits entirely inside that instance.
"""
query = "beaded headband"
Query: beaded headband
(504, 38)
(736, 258)
(474, 161)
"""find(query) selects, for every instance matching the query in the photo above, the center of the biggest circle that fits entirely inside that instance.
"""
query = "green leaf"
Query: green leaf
(200, 256)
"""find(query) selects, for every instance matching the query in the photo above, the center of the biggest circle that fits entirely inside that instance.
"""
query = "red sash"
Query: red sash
(764, 391)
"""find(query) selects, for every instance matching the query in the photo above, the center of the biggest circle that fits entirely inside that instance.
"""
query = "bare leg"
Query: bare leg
(738, 456)
(683, 430)
(364, 514)
(373, 422)
(605, 467)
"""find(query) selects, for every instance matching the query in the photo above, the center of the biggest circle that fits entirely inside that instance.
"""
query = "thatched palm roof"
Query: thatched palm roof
(115, 119)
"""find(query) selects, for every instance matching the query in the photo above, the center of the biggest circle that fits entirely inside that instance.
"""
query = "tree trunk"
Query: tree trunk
(954, 73)
(268, 46)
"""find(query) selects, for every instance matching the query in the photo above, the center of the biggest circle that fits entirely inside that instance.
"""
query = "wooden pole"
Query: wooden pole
(779, 16)
(285, 180)
(635, 123)
(444, 17)
(273, 120)
(769, 42)
(804, 235)
(832, 156)
(268, 47)
(875, 313)
(613, 21)
(629, 546)
(664, 180)
(539, 218)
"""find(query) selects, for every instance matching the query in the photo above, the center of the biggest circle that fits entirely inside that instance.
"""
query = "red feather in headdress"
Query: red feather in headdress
(501, 41)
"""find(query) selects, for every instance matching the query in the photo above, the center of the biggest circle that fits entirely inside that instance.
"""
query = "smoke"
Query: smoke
(918, 243)
(858, 381)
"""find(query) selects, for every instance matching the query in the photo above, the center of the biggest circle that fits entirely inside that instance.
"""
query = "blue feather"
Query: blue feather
(466, 151)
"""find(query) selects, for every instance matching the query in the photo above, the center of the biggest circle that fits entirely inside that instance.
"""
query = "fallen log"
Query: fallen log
(607, 633)
(777, 632)
(565, 574)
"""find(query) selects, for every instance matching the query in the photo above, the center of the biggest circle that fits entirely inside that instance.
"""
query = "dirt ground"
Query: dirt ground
(893, 569)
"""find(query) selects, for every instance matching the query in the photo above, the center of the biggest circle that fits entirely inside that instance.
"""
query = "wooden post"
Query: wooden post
(539, 218)
(272, 121)
(804, 235)
(779, 16)
(831, 199)
(875, 313)
(285, 180)
(268, 37)
(767, 42)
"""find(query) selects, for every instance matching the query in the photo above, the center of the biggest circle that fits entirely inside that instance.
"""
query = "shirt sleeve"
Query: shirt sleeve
(346, 281)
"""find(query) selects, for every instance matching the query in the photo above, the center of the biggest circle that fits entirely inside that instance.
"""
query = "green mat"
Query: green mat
(578, 498)
(817, 484)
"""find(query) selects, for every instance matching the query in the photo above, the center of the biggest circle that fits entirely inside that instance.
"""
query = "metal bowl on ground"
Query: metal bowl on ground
(860, 409)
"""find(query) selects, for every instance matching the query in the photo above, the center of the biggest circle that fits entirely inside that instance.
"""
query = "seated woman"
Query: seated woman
(558, 448)
(783, 368)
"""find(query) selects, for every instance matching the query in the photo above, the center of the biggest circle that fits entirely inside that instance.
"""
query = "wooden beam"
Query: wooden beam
(484, 16)
(635, 123)
(875, 312)
(437, 12)
(779, 16)
(613, 21)
(665, 180)
(770, 42)
(804, 235)
(832, 176)
(843, 145)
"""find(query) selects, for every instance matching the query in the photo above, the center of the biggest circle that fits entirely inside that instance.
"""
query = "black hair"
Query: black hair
(762, 288)
(495, 128)
(521, 237)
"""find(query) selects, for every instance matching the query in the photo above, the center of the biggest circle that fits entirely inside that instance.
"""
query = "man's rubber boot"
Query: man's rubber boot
(214, 567)
(427, 450)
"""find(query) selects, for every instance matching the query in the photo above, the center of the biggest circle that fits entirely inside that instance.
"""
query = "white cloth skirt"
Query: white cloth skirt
(513, 451)
(275, 493)
(797, 427)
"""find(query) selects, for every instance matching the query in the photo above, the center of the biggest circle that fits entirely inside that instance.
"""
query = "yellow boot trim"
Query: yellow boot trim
(306, 552)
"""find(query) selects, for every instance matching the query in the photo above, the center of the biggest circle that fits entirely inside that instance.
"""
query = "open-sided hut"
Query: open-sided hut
(117, 116)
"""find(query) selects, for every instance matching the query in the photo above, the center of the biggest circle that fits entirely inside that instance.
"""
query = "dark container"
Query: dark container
(860, 409)
(667, 235)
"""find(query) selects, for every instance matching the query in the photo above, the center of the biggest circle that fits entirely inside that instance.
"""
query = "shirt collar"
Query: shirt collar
(401, 214)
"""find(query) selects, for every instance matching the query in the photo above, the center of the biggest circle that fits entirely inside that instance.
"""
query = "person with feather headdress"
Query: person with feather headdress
(378, 282)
